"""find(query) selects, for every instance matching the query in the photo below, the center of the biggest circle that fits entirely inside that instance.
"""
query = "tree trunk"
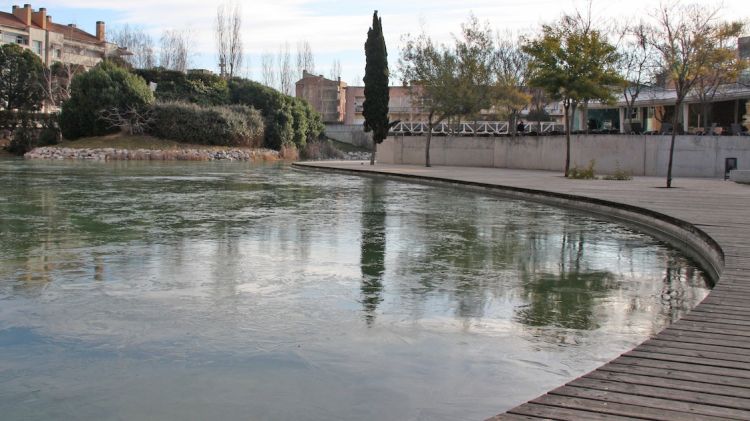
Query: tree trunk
(706, 125)
(566, 107)
(429, 138)
(427, 146)
(374, 150)
(671, 145)
(585, 118)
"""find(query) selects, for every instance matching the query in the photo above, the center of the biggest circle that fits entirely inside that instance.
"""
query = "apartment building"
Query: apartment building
(326, 96)
(54, 42)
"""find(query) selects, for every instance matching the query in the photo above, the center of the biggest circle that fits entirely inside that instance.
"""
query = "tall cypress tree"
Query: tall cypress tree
(375, 107)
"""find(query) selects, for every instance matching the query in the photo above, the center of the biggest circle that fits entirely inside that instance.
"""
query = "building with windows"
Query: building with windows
(340, 104)
(326, 96)
(54, 42)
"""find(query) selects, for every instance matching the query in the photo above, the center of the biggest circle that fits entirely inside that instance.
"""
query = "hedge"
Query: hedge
(289, 121)
(234, 125)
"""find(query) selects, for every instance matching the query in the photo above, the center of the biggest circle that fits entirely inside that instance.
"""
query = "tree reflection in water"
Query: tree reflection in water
(372, 257)
(565, 299)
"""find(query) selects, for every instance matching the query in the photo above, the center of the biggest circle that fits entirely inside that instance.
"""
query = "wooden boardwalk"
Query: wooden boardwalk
(696, 369)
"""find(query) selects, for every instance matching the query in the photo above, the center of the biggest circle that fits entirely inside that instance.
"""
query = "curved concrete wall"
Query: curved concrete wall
(695, 156)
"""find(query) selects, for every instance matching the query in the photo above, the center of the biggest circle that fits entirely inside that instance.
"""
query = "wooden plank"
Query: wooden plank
(721, 308)
(563, 414)
(691, 386)
(683, 366)
(701, 312)
(714, 323)
(708, 355)
(672, 374)
(730, 295)
(728, 290)
(692, 360)
(726, 306)
(668, 393)
(617, 409)
(649, 402)
(733, 283)
(697, 347)
(739, 304)
(702, 328)
(703, 317)
(514, 417)
(702, 338)
(688, 330)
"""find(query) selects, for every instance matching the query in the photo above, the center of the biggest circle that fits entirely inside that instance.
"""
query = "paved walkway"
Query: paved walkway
(696, 369)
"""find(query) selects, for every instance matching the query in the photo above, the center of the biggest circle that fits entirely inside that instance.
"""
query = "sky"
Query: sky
(337, 29)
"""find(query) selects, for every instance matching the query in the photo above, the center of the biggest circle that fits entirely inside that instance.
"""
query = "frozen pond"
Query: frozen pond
(196, 291)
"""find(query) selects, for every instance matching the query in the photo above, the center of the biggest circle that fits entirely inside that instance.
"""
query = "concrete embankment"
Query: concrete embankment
(111, 154)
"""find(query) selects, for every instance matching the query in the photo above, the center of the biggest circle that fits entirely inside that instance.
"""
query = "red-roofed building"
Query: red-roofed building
(35, 30)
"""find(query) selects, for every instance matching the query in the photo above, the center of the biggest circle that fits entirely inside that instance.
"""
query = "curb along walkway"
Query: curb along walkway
(696, 369)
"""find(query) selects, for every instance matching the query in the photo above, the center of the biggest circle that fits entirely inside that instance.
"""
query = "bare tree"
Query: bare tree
(305, 59)
(131, 120)
(236, 54)
(636, 64)
(511, 68)
(686, 38)
(284, 68)
(335, 70)
(222, 39)
(57, 80)
(267, 69)
(175, 52)
(139, 44)
(58, 77)
(228, 32)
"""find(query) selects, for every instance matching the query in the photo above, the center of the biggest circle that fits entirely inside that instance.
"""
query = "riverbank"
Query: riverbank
(120, 147)
(112, 154)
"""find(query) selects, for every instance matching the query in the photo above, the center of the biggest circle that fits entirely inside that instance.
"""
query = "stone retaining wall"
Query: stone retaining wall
(111, 154)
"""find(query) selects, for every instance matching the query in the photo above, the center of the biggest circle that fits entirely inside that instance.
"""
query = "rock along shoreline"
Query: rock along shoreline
(112, 154)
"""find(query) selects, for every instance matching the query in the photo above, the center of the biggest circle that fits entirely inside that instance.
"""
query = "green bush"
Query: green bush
(583, 173)
(234, 125)
(194, 87)
(22, 78)
(289, 121)
(105, 87)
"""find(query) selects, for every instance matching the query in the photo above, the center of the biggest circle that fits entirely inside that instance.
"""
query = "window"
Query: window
(38, 47)
(20, 39)
(58, 53)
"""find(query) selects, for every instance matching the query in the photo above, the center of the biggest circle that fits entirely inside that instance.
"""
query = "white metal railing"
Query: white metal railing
(477, 128)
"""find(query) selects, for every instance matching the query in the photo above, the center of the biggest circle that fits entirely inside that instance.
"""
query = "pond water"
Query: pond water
(180, 291)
